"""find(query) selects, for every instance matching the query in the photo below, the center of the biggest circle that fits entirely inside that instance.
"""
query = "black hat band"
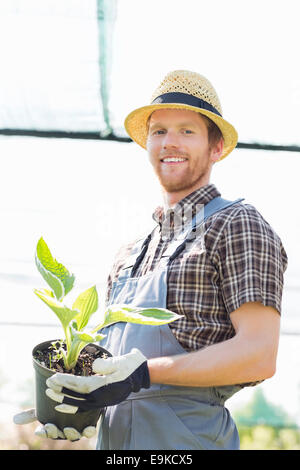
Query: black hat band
(184, 98)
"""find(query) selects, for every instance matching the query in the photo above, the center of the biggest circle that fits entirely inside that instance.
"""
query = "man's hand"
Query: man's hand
(50, 430)
(120, 376)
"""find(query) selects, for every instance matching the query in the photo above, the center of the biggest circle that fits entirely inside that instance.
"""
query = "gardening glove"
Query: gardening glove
(51, 431)
(120, 376)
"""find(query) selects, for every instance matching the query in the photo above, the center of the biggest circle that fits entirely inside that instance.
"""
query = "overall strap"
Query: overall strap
(135, 257)
(140, 248)
(212, 207)
(217, 204)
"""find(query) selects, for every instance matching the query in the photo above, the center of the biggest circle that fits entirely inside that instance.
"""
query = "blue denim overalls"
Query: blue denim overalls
(162, 417)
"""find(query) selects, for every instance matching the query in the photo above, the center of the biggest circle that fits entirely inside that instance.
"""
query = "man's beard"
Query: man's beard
(185, 182)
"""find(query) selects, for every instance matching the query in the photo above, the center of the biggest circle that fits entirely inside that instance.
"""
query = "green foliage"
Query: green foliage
(260, 411)
(149, 316)
(54, 273)
(75, 320)
(64, 314)
(87, 304)
(263, 437)
(265, 426)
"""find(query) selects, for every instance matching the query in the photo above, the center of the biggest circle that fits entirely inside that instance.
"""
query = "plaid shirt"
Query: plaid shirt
(238, 259)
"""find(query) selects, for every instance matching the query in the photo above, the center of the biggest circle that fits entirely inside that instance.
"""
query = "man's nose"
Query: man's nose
(170, 139)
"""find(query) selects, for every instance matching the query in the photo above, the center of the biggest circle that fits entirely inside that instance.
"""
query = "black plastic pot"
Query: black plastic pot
(45, 407)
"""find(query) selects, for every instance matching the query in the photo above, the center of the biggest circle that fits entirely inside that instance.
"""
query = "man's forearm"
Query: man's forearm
(224, 363)
(249, 356)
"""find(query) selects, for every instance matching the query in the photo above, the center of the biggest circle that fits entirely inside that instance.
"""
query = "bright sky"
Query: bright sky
(247, 49)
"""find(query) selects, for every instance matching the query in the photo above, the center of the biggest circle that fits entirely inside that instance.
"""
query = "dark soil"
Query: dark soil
(51, 359)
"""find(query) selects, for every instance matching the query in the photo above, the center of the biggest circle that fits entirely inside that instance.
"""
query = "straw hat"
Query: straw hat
(182, 89)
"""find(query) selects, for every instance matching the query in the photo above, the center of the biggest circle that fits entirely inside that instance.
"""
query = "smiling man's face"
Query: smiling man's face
(179, 150)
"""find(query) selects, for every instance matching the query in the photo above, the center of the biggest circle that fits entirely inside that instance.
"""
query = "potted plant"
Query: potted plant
(76, 351)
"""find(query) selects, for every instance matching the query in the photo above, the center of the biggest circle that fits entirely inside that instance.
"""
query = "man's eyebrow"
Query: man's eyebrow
(156, 125)
(180, 124)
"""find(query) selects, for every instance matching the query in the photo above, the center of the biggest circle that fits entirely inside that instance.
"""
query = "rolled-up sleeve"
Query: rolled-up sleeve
(252, 261)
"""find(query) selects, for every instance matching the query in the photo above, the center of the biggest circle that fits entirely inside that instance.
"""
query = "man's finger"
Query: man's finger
(72, 434)
(76, 383)
(68, 404)
(89, 432)
(59, 397)
(51, 430)
(25, 417)
(104, 366)
(69, 409)
(41, 431)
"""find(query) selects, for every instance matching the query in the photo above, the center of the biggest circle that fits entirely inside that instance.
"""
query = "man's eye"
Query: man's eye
(187, 131)
(159, 132)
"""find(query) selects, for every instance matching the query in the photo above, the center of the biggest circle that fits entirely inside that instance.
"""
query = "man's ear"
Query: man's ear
(217, 150)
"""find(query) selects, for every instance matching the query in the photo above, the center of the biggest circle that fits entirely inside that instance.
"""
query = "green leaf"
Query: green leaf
(78, 342)
(64, 313)
(87, 304)
(55, 274)
(88, 337)
(144, 316)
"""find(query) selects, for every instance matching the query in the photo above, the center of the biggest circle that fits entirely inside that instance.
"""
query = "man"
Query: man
(220, 267)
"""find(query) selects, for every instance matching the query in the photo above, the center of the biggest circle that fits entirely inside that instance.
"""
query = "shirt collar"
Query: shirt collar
(200, 196)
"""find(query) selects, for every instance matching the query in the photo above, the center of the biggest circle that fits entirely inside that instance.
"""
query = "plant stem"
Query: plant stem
(68, 336)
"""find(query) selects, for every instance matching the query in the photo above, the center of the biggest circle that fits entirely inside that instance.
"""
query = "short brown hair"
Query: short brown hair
(214, 133)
